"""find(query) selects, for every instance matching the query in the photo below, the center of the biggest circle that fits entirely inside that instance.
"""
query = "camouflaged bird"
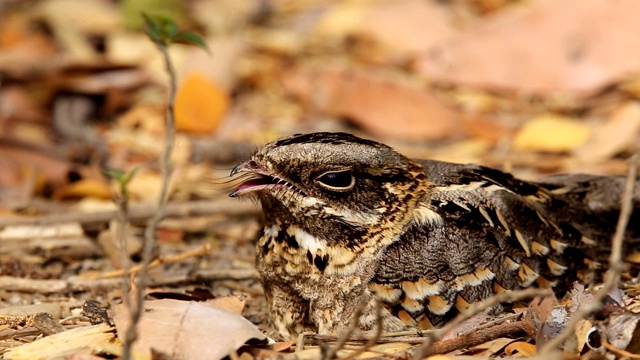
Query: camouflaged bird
(349, 219)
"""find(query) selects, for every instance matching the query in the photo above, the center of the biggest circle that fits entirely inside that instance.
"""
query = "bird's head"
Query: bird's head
(335, 186)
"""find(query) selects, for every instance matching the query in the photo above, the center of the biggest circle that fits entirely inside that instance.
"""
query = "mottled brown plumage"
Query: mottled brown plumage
(348, 220)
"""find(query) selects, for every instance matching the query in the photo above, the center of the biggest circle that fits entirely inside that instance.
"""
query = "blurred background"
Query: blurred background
(534, 87)
(531, 86)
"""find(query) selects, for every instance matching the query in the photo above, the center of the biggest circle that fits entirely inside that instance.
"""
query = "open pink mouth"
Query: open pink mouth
(260, 183)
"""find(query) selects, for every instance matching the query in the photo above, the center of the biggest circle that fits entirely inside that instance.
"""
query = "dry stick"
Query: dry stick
(122, 203)
(331, 353)
(82, 283)
(375, 338)
(620, 352)
(157, 262)
(138, 212)
(152, 225)
(475, 309)
(477, 338)
(366, 337)
(612, 276)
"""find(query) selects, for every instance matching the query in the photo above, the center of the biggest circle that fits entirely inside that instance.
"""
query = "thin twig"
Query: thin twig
(489, 324)
(157, 262)
(138, 212)
(477, 338)
(152, 225)
(331, 352)
(475, 309)
(620, 352)
(616, 266)
(375, 338)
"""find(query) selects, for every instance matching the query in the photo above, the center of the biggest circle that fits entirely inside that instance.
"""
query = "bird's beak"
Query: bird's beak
(239, 168)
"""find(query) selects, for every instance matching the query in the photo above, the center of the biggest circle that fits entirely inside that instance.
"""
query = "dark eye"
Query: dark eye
(337, 180)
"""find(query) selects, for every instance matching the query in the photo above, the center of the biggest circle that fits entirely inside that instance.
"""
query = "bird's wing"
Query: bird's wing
(481, 231)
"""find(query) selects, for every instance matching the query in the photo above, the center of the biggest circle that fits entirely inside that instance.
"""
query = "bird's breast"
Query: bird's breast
(288, 251)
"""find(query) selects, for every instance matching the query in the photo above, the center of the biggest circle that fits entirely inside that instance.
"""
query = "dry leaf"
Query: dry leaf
(188, 330)
(84, 188)
(520, 349)
(383, 106)
(229, 303)
(552, 133)
(582, 332)
(200, 105)
(618, 134)
(548, 45)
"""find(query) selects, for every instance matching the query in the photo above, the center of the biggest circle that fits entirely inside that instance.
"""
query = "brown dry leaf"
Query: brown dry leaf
(382, 105)
(188, 330)
(53, 170)
(23, 49)
(84, 188)
(551, 133)
(400, 25)
(200, 105)
(619, 133)
(485, 127)
(520, 349)
(229, 303)
(490, 348)
(536, 316)
(548, 45)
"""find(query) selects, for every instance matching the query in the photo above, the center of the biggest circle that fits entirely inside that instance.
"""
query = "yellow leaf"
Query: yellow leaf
(84, 188)
(520, 349)
(552, 133)
(200, 105)
(633, 258)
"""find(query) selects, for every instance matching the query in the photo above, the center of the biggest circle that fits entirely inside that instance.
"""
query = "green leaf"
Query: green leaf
(190, 38)
(169, 28)
(121, 176)
(152, 28)
(113, 173)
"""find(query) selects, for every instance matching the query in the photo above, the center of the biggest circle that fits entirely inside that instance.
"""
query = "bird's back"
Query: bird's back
(481, 231)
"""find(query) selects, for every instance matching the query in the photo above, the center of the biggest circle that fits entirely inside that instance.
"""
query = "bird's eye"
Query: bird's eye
(337, 180)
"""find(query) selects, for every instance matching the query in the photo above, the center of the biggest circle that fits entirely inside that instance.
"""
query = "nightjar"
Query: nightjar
(347, 220)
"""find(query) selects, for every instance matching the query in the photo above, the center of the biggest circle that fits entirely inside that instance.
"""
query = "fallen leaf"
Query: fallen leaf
(84, 188)
(382, 105)
(618, 134)
(400, 25)
(551, 133)
(188, 330)
(229, 303)
(582, 332)
(520, 349)
(200, 105)
(546, 45)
